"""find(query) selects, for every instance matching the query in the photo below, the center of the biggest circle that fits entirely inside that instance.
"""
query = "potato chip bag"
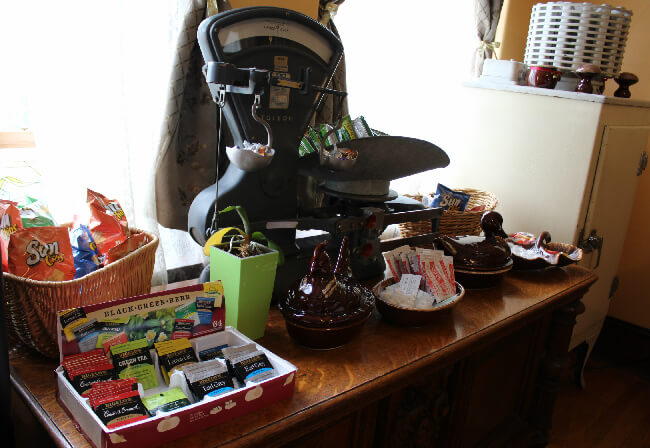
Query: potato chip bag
(34, 213)
(108, 223)
(127, 246)
(41, 253)
(9, 223)
(84, 251)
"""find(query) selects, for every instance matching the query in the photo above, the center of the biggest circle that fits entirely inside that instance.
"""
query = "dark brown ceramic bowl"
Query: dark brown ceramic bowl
(481, 278)
(413, 317)
(325, 338)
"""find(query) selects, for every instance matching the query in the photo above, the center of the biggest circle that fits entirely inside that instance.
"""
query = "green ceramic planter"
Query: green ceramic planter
(248, 285)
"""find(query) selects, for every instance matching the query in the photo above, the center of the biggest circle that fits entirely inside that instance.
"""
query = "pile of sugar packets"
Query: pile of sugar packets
(423, 277)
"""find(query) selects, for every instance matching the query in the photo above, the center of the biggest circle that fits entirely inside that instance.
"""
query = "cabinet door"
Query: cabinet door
(608, 214)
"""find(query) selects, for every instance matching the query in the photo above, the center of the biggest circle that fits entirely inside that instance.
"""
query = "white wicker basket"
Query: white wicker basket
(566, 35)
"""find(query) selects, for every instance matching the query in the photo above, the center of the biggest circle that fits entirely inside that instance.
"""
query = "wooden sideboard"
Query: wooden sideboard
(485, 374)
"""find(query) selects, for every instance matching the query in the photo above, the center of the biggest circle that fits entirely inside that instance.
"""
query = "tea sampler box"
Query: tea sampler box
(149, 317)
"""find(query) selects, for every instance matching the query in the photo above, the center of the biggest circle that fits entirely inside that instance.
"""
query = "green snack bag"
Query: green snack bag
(33, 213)
(314, 138)
(305, 147)
(347, 129)
(324, 129)
(361, 128)
(165, 402)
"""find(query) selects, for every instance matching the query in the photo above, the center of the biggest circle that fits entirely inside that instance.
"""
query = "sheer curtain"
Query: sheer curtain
(96, 76)
(405, 65)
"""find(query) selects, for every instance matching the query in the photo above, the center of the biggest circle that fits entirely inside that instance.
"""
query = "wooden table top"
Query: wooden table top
(334, 382)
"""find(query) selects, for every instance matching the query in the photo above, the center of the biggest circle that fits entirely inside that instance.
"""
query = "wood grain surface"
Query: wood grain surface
(338, 382)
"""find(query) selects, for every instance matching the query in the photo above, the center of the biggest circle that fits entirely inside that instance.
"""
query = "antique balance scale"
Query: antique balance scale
(268, 70)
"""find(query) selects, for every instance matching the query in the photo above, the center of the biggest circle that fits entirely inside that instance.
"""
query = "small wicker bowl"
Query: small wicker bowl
(413, 317)
(454, 223)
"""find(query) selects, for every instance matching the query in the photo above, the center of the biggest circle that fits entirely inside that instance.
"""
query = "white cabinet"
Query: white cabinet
(558, 161)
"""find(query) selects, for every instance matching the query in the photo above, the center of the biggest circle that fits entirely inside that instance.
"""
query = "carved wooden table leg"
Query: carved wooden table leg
(555, 363)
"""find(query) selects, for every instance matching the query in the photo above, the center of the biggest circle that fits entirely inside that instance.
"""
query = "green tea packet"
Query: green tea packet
(133, 360)
(165, 402)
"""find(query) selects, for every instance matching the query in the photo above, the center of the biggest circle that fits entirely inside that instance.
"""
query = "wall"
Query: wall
(631, 302)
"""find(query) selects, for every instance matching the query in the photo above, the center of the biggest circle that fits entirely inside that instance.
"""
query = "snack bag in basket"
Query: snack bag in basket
(84, 251)
(9, 224)
(108, 223)
(34, 213)
(41, 253)
(126, 247)
(449, 199)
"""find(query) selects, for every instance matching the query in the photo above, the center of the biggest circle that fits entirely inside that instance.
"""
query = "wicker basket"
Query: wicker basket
(568, 34)
(31, 305)
(454, 223)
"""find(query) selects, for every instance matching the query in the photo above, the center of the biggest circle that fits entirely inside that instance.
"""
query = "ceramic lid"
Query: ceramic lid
(490, 252)
(327, 298)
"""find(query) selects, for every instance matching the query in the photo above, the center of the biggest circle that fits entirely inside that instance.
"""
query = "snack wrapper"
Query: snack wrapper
(361, 128)
(33, 213)
(449, 199)
(126, 247)
(108, 224)
(10, 223)
(41, 253)
(84, 251)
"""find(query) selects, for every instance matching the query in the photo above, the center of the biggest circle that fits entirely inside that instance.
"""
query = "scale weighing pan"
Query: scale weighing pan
(380, 158)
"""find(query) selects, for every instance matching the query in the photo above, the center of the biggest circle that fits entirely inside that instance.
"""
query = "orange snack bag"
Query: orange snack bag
(108, 223)
(41, 253)
(10, 223)
(132, 243)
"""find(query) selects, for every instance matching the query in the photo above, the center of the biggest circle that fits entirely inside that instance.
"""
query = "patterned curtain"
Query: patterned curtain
(487, 13)
(187, 155)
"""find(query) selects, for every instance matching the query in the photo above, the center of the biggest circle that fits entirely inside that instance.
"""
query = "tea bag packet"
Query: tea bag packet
(133, 360)
(119, 338)
(209, 378)
(182, 328)
(212, 353)
(166, 401)
(110, 388)
(70, 319)
(233, 352)
(121, 410)
(174, 354)
(84, 369)
(86, 335)
(187, 311)
(108, 329)
(253, 366)
(204, 306)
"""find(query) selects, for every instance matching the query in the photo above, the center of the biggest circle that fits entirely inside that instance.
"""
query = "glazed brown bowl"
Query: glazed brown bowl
(325, 338)
(413, 317)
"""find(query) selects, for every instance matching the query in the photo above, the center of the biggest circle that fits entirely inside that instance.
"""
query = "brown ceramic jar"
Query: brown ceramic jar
(543, 76)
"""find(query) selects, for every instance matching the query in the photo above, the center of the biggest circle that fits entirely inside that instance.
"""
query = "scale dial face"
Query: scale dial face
(267, 32)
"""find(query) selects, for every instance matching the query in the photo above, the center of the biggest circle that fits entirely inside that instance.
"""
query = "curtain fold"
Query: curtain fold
(187, 155)
(486, 13)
